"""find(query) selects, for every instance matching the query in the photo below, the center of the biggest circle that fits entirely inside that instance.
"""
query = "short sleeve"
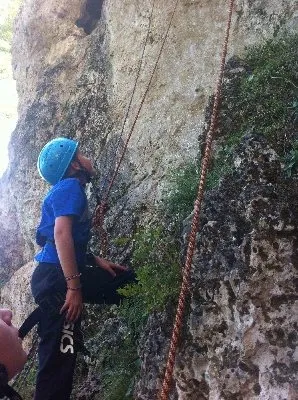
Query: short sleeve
(68, 198)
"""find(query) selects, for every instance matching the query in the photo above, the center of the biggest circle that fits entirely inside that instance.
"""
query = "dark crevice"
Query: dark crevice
(90, 14)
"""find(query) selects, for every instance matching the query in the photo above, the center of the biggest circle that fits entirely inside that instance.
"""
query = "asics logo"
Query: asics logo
(67, 342)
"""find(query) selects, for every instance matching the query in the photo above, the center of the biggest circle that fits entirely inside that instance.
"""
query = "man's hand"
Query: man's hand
(6, 315)
(109, 266)
(73, 305)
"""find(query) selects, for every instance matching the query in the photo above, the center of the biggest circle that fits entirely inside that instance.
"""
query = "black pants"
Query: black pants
(59, 340)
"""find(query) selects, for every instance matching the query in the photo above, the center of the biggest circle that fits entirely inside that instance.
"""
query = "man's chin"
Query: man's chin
(93, 173)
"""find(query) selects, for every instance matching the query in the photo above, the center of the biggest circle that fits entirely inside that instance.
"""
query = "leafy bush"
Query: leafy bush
(25, 381)
(181, 192)
(121, 367)
(183, 185)
(265, 98)
(6, 27)
(156, 260)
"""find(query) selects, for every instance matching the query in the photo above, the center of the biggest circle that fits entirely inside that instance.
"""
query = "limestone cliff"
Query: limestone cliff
(240, 339)
(75, 64)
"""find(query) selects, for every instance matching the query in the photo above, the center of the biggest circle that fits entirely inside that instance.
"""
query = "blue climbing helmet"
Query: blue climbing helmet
(55, 158)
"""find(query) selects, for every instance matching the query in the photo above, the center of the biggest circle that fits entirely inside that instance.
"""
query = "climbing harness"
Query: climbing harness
(29, 323)
(99, 214)
(166, 385)
(26, 327)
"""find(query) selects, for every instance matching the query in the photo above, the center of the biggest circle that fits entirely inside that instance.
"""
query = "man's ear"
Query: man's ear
(75, 165)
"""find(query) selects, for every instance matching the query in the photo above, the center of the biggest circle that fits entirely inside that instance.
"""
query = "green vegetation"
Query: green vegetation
(181, 192)
(25, 381)
(121, 366)
(156, 262)
(8, 12)
(121, 241)
(265, 99)
(183, 186)
(6, 25)
(115, 360)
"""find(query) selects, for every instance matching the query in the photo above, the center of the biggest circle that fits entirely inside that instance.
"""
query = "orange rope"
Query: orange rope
(100, 210)
(99, 223)
(166, 385)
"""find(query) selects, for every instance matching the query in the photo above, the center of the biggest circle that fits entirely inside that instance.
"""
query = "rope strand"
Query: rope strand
(166, 385)
(132, 95)
(100, 210)
(142, 102)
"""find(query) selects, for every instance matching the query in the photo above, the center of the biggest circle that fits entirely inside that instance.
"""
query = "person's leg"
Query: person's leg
(59, 340)
(100, 287)
(57, 357)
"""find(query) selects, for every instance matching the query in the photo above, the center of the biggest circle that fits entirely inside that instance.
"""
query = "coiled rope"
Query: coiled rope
(167, 381)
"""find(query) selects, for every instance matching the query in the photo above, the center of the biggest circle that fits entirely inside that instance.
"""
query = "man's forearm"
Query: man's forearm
(66, 253)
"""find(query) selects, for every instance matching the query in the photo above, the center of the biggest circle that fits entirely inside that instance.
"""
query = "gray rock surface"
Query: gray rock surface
(16, 295)
(240, 339)
(75, 69)
(78, 84)
(243, 318)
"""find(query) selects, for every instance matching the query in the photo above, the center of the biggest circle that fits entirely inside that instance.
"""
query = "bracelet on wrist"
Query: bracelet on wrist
(77, 288)
(68, 278)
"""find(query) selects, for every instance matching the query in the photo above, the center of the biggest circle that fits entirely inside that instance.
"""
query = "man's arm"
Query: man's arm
(66, 253)
(65, 248)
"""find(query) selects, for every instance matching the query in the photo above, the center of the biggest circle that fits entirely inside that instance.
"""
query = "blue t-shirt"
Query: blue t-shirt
(66, 198)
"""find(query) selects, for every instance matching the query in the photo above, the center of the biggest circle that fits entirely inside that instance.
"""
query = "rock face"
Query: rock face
(16, 295)
(75, 65)
(75, 69)
(244, 321)
(11, 239)
(240, 341)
